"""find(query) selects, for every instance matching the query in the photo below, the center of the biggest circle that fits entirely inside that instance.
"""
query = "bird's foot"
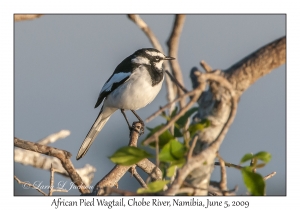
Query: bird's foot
(138, 129)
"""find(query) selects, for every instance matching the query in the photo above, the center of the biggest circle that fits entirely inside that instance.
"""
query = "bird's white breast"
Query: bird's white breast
(135, 93)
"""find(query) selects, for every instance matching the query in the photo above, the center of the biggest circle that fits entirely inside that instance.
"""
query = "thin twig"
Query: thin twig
(230, 165)
(173, 44)
(176, 82)
(29, 185)
(198, 92)
(157, 151)
(136, 175)
(191, 150)
(205, 66)
(52, 189)
(253, 162)
(158, 112)
(223, 181)
(26, 17)
(270, 175)
(54, 137)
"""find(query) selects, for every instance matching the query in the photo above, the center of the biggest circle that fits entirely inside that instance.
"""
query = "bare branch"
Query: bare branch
(223, 181)
(270, 175)
(176, 82)
(206, 67)
(26, 17)
(136, 175)
(210, 152)
(198, 92)
(29, 185)
(230, 165)
(151, 169)
(254, 66)
(54, 137)
(158, 112)
(173, 44)
(194, 141)
(51, 189)
(62, 155)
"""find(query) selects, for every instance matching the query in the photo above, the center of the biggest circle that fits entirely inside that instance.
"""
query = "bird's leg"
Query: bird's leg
(130, 127)
(140, 120)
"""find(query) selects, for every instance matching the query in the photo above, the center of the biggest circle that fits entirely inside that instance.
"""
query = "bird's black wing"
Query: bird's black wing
(119, 76)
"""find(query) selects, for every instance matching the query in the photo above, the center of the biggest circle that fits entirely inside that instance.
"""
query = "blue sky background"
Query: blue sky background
(62, 61)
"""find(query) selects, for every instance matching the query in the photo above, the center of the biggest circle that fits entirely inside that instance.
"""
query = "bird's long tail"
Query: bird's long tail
(101, 120)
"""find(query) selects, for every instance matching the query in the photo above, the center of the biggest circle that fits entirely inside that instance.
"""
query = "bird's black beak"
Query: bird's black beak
(169, 58)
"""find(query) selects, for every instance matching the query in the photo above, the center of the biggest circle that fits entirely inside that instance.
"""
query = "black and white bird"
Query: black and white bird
(135, 82)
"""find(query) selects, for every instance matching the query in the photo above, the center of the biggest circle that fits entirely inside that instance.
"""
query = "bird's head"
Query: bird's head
(150, 56)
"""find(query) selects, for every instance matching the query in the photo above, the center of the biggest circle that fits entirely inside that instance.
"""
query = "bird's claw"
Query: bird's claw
(141, 132)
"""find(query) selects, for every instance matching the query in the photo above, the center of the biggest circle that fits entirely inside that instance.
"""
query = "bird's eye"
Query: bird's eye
(157, 58)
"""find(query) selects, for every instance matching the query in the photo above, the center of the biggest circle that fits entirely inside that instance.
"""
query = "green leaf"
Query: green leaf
(165, 153)
(154, 187)
(199, 126)
(179, 163)
(261, 165)
(174, 112)
(172, 151)
(253, 181)
(177, 132)
(177, 149)
(129, 155)
(183, 119)
(263, 156)
(164, 138)
(171, 171)
(246, 157)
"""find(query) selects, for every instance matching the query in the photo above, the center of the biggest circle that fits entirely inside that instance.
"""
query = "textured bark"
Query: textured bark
(215, 105)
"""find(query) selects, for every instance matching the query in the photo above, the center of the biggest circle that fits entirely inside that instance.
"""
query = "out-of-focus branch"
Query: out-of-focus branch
(43, 162)
(136, 175)
(154, 41)
(254, 66)
(207, 155)
(62, 155)
(29, 185)
(26, 17)
(223, 181)
(52, 189)
(270, 175)
(215, 105)
(158, 112)
(173, 44)
(195, 97)
(54, 137)
(205, 66)
(230, 165)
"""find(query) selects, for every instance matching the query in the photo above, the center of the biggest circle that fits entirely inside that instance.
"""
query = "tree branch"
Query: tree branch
(254, 66)
(62, 155)
(173, 44)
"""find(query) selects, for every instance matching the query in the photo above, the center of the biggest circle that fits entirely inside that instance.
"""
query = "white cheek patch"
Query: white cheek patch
(115, 79)
(159, 64)
(140, 60)
(153, 54)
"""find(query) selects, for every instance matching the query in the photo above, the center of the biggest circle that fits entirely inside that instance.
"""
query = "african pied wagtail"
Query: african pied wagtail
(135, 83)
